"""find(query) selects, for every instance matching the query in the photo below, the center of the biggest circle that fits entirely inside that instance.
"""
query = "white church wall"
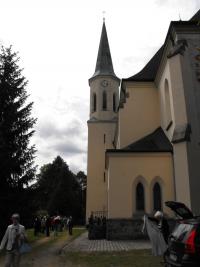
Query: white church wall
(140, 114)
(100, 136)
(181, 173)
(166, 78)
(172, 73)
(126, 169)
(190, 63)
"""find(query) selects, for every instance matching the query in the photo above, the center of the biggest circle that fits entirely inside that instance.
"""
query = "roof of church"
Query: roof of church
(148, 73)
(157, 141)
(104, 65)
(196, 16)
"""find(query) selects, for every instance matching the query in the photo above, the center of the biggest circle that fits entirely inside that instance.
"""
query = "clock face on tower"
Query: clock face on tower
(104, 83)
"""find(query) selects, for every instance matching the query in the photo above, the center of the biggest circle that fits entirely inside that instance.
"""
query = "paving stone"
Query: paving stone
(83, 244)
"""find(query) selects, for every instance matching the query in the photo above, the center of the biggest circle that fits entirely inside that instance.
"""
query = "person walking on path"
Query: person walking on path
(12, 240)
(56, 223)
(37, 226)
(47, 226)
(70, 225)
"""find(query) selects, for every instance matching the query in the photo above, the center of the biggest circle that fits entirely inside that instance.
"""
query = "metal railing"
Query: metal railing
(100, 213)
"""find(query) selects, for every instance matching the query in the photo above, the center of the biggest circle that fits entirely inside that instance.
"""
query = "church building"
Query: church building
(144, 142)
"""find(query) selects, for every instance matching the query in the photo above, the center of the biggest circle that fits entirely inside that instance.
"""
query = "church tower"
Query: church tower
(104, 99)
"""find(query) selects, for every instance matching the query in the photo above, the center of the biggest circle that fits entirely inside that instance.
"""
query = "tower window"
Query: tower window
(140, 197)
(114, 102)
(157, 197)
(94, 103)
(104, 106)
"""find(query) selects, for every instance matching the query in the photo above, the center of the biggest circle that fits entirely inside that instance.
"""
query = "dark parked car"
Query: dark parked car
(184, 241)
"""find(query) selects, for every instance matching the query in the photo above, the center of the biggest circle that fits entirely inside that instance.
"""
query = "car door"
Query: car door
(180, 209)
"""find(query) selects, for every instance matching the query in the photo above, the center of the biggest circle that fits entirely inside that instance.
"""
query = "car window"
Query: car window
(181, 230)
(184, 213)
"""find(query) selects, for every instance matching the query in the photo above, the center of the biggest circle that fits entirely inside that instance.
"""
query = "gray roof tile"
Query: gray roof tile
(157, 141)
(104, 65)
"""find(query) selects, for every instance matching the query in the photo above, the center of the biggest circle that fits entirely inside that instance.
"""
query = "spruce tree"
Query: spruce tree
(16, 123)
(16, 128)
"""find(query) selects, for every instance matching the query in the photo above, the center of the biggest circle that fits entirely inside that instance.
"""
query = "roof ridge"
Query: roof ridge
(149, 71)
(154, 141)
(196, 16)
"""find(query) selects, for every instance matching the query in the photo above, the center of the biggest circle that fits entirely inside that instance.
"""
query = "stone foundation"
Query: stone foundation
(125, 229)
(128, 229)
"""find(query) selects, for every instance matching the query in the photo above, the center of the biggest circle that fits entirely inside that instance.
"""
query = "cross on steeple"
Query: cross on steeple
(104, 16)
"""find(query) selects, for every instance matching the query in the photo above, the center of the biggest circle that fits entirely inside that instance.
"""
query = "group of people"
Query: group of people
(14, 239)
(55, 224)
(97, 227)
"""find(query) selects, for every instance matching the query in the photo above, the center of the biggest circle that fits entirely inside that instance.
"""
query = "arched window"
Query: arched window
(168, 112)
(140, 197)
(157, 197)
(104, 101)
(94, 108)
(114, 102)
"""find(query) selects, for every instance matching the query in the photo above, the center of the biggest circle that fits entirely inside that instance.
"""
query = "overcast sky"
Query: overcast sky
(58, 42)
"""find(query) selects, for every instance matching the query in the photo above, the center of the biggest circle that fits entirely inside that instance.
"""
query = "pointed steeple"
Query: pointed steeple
(104, 65)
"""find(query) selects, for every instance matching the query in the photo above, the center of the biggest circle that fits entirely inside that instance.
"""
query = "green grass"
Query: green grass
(63, 237)
(76, 232)
(136, 258)
(30, 236)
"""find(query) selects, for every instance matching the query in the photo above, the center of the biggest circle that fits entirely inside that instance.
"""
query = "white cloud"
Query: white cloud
(58, 42)
(61, 130)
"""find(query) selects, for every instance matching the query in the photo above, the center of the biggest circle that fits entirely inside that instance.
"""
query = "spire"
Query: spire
(104, 64)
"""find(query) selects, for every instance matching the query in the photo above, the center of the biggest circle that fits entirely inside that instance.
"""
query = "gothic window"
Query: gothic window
(114, 102)
(157, 197)
(94, 108)
(168, 112)
(104, 104)
(140, 197)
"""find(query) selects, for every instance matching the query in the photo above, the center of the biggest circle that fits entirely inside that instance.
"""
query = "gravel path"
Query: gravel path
(45, 253)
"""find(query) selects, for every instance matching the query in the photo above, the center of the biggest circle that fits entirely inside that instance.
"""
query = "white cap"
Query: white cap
(158, 214)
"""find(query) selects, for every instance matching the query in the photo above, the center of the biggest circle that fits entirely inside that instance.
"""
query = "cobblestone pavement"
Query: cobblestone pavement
(82, 244)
